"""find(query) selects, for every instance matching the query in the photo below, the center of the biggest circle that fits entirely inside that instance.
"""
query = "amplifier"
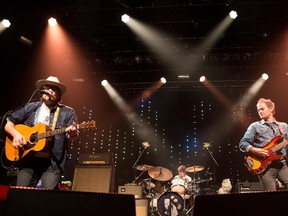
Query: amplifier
(93, 178)
(136, 190)
(247, 187)
(97, 158)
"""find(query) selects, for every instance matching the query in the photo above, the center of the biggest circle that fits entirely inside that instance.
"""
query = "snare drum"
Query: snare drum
(178, 185)
(170, 203)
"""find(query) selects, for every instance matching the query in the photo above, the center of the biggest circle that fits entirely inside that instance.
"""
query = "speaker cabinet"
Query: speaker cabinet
(35, 202)
(93, 178)
(141, 207)
(239, 204)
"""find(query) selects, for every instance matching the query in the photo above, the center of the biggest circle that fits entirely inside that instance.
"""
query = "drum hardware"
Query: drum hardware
(142, 168)
(145, 145)
(206, 145)
(160, 173)
(198, 181)
(149, 184)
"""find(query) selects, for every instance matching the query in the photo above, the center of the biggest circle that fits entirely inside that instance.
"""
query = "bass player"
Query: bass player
(264, 144)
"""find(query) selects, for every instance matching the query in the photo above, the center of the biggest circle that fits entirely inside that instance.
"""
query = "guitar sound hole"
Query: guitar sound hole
(33, 138)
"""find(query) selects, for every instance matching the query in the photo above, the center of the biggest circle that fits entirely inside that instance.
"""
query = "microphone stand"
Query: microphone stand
(146, 145)
(206, 146)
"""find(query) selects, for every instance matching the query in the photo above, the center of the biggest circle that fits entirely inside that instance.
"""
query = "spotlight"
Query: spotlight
(183, 76)
(6, 23)
(265, 76)
(104, 82)
(125, 18)
(52, 21)
(163, 80)
(233, 14)
(202, 79)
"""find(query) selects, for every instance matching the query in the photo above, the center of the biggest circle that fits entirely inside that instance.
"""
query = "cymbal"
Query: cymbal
(194, 168)
(160, 173)
(143, 167)
(149, 184)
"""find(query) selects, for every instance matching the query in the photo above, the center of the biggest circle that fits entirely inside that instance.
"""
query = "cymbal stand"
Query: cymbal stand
(206, 145)
(194, 191)
(138, 176)
(145, 145)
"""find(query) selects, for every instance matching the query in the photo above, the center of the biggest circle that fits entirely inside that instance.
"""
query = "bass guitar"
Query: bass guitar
(258, 164)
(36, 138)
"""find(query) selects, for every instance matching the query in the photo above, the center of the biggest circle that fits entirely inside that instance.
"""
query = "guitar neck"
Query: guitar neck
(279, 146)
(51, 133)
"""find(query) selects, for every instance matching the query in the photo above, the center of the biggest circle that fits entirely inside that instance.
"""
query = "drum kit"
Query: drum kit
(178, 198)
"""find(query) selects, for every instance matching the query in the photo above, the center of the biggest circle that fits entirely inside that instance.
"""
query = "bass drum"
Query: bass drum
(170, 203)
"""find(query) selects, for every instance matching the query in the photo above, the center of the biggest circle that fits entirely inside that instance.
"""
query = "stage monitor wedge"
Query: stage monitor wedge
(239, 204)
(36, 202)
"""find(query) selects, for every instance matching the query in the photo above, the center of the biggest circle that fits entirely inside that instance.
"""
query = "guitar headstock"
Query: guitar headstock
(88, 124)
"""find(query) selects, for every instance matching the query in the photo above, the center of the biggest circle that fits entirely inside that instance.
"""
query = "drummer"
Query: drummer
(183, 179)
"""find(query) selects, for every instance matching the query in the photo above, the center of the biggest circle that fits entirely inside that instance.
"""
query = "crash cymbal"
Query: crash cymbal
(160, 173)
(194, 168)
(143, 167)
(149, 184)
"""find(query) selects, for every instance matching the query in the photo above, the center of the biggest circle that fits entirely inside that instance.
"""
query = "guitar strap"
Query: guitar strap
(55, 117)
(280, 128)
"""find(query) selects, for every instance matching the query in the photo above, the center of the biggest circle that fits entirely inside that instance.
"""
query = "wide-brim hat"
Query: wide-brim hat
(52, 81)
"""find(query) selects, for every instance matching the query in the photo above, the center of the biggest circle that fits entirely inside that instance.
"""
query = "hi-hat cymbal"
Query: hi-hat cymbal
(143, 167)
(194, 168)
(160, 173)
(149, 184)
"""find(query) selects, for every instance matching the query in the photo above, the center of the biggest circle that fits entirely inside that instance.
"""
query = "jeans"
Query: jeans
(38, 170)
(277, 170)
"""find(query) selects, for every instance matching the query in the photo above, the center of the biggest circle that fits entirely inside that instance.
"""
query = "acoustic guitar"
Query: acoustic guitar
(36, 138)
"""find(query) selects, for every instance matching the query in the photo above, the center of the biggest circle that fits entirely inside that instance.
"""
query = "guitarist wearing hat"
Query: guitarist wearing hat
(43, 154)
(265, 146)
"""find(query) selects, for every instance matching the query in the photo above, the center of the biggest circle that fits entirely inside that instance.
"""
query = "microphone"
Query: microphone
(206, 145)
(44, 92)
(145, 144)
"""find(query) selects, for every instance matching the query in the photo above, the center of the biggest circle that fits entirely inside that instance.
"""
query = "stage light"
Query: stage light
(125, 18)
(6, 23)
(183, 76)
(163, 80)
(52, 21)
(233, 14)
(104, 82)
(202, 79)
(265, 76)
